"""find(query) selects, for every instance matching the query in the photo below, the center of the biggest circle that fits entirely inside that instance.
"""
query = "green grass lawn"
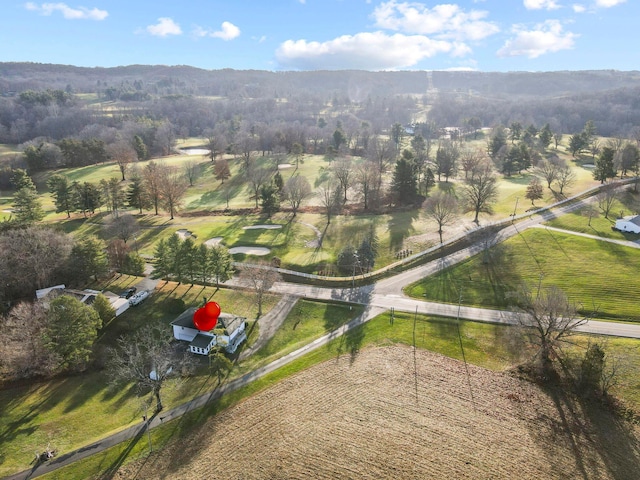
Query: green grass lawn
(77, 410)
(484, 345)
(597, 275)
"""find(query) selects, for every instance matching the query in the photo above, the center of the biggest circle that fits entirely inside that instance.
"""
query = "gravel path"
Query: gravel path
(270, 323)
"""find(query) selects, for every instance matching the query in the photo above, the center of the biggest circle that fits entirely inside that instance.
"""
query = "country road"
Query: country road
(377, 298)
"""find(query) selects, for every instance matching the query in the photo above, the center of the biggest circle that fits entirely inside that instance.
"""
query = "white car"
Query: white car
(138, 298)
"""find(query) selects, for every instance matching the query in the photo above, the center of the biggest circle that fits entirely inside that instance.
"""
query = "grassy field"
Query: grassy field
(397, 231)
(627, 203)
(398, 413)
(58, 410)
(485, 345)
(595, 274)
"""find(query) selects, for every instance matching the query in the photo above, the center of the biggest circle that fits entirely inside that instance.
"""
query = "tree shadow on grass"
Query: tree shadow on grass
(590, 434)
(400, 227)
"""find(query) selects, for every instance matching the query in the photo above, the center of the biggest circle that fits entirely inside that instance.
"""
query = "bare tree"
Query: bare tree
(22, 351)
(221, 170)
(148, 359)
(191, 171)
(296, 189)
(123, 227)
(557, 139)
(534, 190)
(470, 160)
(565, 178)
(343, 172)
(123, 154)
(172, 190)
(590, 212)
(330, 198)
(257, 176)
(606, 198)
(548, 169)
(443, 208)
(259, 278)
(215, 144)
(481, 190)
(32, 258)
(548, 319)
(151, 178)
(366, 176)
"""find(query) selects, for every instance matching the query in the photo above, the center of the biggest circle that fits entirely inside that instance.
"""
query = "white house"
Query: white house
(229, 332)
(628, 224)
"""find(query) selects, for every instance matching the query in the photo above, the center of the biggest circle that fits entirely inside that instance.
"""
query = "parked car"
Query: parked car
(138, 298)
(128, 293)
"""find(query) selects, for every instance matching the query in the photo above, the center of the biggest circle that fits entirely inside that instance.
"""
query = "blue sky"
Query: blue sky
(485, 35)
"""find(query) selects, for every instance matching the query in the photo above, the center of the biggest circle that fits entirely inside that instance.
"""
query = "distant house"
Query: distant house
(229, 332)
(87, 296)
(628, 224)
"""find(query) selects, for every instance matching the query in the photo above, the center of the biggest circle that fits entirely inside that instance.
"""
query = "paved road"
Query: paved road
(377, 298)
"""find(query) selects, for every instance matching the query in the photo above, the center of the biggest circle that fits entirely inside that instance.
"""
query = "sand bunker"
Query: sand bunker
(283, 166)
(267, 227)
(260, 251)
(194, 151)
(183, 233)
(212, 242)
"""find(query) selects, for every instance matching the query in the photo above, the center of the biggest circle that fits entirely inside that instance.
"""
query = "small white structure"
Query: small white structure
(86, 296)
(628, 224)
(229, 332)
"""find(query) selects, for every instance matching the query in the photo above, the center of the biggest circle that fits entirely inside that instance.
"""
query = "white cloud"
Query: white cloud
(547, 37)
(79, 13)
(608, 3)
(228, 31)
(541, 4)
(165, 26)
(446, 21)
(578, 8)
(366, 51)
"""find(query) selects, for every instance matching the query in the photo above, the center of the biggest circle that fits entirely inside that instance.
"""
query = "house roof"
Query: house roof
(228, 321)
(185, 319)
(202, 340)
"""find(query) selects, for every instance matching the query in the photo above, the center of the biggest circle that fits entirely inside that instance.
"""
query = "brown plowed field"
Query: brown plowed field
(380, 417)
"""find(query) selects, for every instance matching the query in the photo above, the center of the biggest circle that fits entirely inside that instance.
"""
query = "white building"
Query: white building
(228, 333)
(86, 296)
(628, 224)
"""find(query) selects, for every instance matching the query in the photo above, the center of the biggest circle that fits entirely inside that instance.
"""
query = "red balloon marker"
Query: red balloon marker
(204, 322)
(212, 309)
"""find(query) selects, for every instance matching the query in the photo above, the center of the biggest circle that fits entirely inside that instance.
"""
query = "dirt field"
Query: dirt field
(378, 418)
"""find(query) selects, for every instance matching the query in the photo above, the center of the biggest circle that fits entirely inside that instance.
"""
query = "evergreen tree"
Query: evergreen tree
(104, 309)
(136, 195)
(63, 194)
(89, 258)
(604, 168)
(140, 148)
(270, 198)
(404, 182)
(221, 263)
(27, 206)
(71, 331)
(161, 261)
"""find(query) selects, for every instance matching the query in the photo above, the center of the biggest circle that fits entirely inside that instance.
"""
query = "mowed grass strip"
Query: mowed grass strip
(598, 275)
